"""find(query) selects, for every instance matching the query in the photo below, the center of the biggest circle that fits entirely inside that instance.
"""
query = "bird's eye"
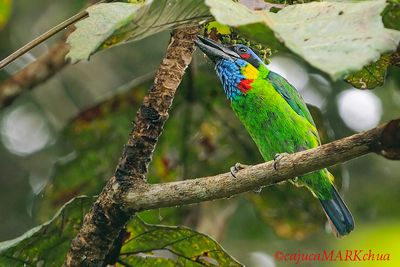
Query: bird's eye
(242, 50)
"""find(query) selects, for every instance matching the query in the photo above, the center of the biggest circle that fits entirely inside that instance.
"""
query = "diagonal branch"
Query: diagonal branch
(43, 37)
(384, 140)
(103, 224)
(44, 67)
(34, 74)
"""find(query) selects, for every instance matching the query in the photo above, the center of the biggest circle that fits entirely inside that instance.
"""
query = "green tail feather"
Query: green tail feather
(339, 216)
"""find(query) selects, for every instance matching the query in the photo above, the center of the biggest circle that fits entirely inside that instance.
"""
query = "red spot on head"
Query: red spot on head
(245, 85)
(245, 56)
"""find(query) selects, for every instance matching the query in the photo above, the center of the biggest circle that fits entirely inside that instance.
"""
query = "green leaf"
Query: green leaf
(156, 245)
(113, 23)
(371, 76)
(391, 15)
(220, 28)
(5, 12)
(46, 244)
(336, 37)
(144, 244)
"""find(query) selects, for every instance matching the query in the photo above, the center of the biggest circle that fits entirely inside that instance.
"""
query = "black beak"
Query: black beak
(214, 50)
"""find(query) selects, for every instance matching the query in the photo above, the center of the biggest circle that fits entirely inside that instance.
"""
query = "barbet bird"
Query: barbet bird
(277, 118)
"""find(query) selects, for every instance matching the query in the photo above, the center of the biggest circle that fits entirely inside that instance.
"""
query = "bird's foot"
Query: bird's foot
(236, 168)
(277, 158)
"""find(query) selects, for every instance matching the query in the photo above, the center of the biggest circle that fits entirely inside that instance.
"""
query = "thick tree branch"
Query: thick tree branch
(384, 140)
(108, 215)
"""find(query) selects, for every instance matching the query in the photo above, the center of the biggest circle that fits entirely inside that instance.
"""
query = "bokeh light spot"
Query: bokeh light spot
(24, 131)
(360, 110)
(290, 70)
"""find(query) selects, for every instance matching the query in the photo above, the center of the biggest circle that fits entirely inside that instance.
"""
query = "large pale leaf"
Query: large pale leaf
(233, 14)
(47, 244)
(114, 23)
(156, 245)
(336, 37)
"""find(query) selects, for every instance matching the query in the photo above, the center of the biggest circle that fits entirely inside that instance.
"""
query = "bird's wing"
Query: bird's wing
(291, 95)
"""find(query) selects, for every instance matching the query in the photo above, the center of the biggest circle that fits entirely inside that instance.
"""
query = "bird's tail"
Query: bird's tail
(338, 214)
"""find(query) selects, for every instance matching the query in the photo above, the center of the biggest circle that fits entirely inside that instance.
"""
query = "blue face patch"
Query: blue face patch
(230, 75)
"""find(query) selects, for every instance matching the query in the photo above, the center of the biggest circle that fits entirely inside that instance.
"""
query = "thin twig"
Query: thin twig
(43, 37)
(33, 74)
(38, 71)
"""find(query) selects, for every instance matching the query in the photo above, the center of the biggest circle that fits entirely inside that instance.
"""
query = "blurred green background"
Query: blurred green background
(64, 138)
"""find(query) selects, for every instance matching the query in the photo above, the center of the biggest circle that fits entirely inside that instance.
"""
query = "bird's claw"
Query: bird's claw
(277, 158)
(236, 168)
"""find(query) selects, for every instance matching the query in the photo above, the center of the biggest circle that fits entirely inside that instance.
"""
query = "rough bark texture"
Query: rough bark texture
(154, 111)
(108, 215)
(384, 140)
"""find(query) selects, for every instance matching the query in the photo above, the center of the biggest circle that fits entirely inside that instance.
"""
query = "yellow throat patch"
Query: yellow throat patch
(250, 72)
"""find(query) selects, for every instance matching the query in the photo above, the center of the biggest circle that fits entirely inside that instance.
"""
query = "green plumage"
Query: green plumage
(277, 128)
(277, 119)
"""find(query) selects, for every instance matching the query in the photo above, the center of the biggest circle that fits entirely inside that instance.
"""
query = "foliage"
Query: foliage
(113, 23)
(5, 12)
(202, 136)
(155, 245)
(336, 37)
(144, 244)
(391, 15)
(373, 75)
(46, 244)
